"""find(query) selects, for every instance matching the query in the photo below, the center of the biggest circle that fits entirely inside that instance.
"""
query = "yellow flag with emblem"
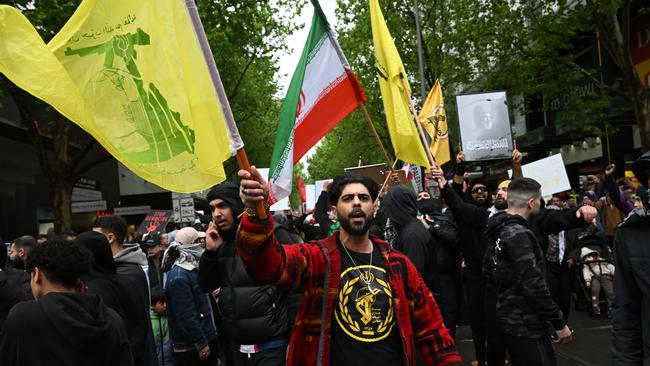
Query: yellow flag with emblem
(132, 74)
(392, 81)
(434, 120)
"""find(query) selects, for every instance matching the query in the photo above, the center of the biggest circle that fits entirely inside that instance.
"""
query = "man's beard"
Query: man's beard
(354, 229)
(500, 204)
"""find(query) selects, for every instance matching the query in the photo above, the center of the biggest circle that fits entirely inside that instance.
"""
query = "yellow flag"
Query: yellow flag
(434, 120)
(132, 74)
(403, 132)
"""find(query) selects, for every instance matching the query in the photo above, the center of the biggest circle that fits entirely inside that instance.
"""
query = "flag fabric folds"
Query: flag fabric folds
(323, 91)
(434, 120)
(401, 127)
(131, 74)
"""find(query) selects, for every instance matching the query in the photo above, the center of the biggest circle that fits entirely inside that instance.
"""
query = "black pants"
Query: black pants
(270, 357)
(559, 279)
(475, 291)
(449, 300)
(496, 339)
(531, 351)
(191, 358)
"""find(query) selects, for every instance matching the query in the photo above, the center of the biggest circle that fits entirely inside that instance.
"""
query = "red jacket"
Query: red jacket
(314, 269)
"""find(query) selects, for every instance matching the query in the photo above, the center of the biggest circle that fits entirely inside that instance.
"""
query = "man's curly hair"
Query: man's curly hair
(62, 262)
(339, 183)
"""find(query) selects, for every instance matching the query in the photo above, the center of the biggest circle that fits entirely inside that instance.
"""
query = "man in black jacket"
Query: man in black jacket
(254, 320)
(632, 280)
(64, 326)
(515, 263)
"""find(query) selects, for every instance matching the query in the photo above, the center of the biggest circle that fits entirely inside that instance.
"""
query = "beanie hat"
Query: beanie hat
(98, 245)
(187, 235)
(505, 183)
(641, 167)
(228, 192)
(589, 194)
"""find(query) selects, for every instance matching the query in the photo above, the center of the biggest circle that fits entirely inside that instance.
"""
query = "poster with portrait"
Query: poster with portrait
(485, 126)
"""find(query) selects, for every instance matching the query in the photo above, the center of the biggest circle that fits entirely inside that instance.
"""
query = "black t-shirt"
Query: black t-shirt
(364, 328)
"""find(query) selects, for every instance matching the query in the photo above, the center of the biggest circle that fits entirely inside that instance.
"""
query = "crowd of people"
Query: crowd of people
(376, 276)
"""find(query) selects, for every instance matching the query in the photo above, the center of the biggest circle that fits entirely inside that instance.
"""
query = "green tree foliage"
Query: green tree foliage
(545, 51)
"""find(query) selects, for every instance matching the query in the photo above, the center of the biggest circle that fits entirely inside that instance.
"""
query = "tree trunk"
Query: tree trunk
(642, 114)
(62, 198)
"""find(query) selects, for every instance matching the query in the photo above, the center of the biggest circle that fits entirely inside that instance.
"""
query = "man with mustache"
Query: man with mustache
(363, 302)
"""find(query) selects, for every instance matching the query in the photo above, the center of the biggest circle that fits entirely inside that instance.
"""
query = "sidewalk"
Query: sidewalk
(591, 345)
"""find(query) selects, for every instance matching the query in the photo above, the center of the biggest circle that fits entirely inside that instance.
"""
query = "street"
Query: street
(591, 345)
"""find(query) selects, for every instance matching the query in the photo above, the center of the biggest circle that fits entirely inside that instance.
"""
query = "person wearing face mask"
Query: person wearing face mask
(445, 245)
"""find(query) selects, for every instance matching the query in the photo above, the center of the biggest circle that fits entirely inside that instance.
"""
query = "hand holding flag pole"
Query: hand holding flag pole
(237, 143)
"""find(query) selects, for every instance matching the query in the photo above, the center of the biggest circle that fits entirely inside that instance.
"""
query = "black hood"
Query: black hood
(501, 219)
(74, 313)
(640, 168)
(98, 245)
(400, 206)
(430, 206)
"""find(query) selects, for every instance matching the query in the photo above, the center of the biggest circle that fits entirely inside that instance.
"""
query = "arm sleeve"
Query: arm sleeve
(209, 276)
(627, 322)
(182, 304)
(586, 273)
(554, 221)
(415, 248)
(445, 231)
(431, 337)
(470, 213)
(521, 248)
(294, 266)
(617, 196)
(320, 213)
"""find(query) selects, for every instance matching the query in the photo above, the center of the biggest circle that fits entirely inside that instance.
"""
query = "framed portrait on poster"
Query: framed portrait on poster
(485, 126)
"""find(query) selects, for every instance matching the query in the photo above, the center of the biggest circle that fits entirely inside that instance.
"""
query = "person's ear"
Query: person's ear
(111, 238)
(21, 253)
(335, 212)
(37, 276)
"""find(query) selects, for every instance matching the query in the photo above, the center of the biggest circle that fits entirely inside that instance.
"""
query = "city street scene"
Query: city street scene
(325, 182)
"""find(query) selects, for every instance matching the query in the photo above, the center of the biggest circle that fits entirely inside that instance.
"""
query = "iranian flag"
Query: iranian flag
(322, 92)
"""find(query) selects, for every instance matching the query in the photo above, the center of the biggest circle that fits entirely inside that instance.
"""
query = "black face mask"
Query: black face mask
(428, 206)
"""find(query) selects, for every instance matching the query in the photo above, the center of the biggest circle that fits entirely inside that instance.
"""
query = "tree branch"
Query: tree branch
(602, 85)
(235, 90)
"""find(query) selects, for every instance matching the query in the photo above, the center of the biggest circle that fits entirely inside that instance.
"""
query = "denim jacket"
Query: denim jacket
(191, 325)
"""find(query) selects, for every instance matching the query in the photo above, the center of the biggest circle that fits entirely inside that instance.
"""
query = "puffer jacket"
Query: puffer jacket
(251, 312)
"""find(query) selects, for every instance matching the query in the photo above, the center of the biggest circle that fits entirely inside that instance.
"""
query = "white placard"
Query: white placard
(549, 172)
(89, 206)
(310, 190)
(319, 187)
(131, 210)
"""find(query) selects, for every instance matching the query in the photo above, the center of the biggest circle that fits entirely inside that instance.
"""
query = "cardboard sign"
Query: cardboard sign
(311, 196)
(550, 173)
(155, 222)
(485, 126)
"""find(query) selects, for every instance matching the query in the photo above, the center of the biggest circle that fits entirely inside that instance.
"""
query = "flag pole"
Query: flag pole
(418, 33)
(233, 132)
(432, 161)
(374, 132)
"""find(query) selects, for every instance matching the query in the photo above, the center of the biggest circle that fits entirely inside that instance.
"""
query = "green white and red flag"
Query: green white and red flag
(323, 91)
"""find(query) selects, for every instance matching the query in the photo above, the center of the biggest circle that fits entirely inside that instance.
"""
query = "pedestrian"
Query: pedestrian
(597, 274)
(254, 322)
(363, 302)
(191, 326)
(631, 324)
(18, 253)
(155, 250)
(514, 261)
(120, 293)
(64, 325)
(160, 326)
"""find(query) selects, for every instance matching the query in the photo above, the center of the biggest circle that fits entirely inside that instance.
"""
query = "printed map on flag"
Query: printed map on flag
(323, 91)
(131, 74)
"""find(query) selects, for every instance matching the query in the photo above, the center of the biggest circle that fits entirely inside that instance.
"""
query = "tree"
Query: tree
(530, 49)
(245, 38)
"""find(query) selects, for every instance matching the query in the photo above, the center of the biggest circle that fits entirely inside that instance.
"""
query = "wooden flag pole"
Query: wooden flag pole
(388, 176)
(432, 160)
(242, 159)
(374, 132)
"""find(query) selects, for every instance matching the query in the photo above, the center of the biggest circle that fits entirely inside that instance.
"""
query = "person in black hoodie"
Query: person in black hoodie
(64, 326)
(120, 293)
(515, 264)
(632, 280)
(408, 235)
(253, 316)
(445, 245)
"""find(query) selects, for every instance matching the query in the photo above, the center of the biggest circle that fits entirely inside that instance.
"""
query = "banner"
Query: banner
(155, 222)
(485, 126)
(132, 75)
(433, 118)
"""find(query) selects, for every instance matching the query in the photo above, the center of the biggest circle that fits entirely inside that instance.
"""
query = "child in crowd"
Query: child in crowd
(597, 273)
(160, 327)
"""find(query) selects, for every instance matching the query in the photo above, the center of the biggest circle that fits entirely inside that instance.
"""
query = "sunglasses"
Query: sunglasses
(479, 189)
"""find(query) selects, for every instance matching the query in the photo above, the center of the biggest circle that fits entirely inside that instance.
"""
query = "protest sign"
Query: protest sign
(550, 173)
(155, 222)
(485, 126)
